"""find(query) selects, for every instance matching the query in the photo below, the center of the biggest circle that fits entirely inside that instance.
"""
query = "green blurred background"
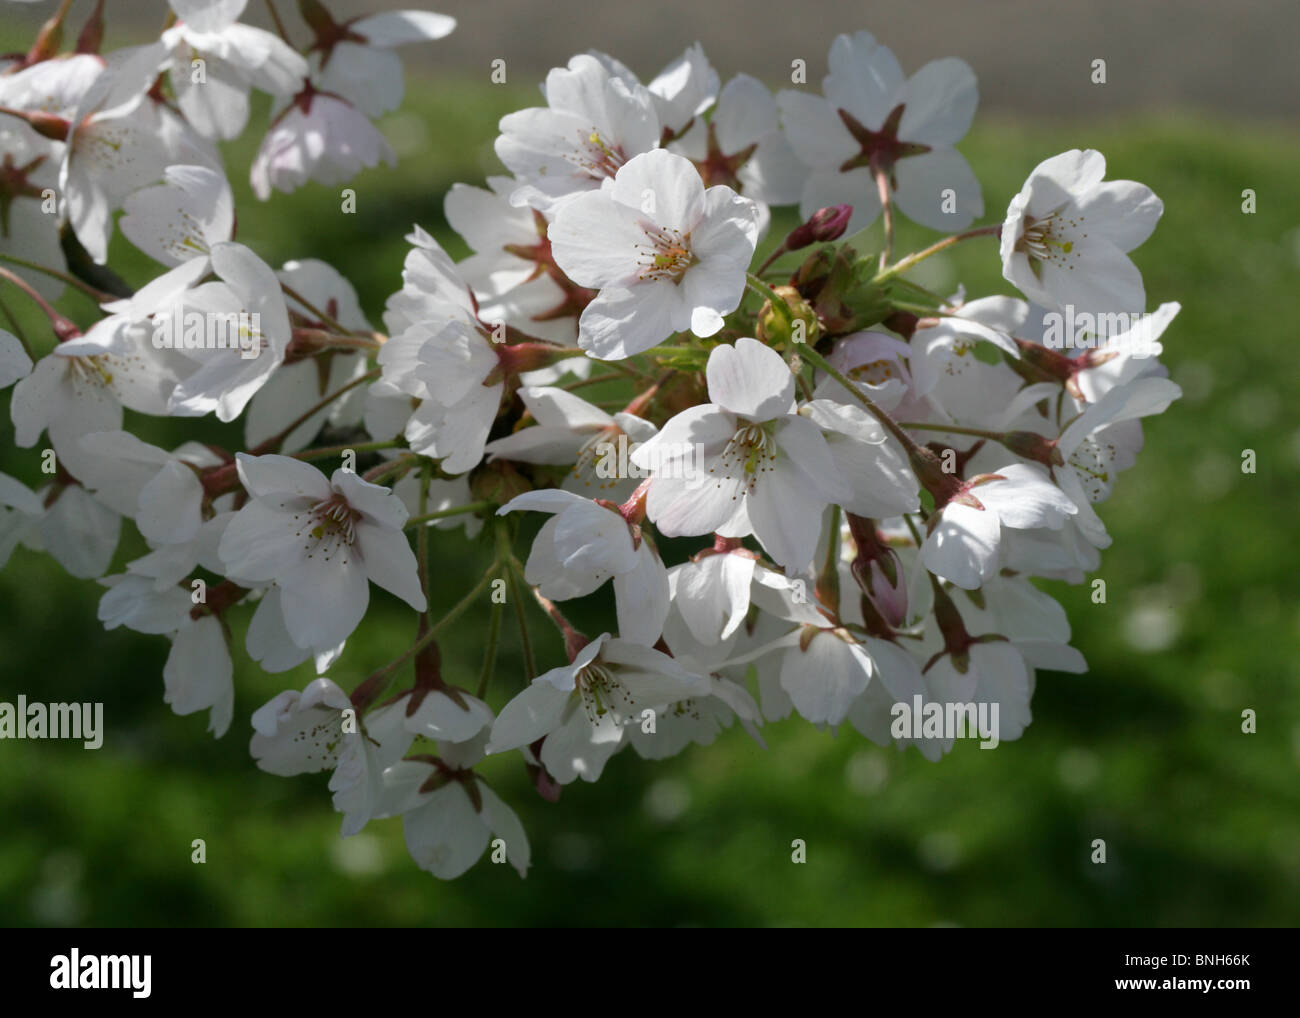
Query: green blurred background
(1145, 751)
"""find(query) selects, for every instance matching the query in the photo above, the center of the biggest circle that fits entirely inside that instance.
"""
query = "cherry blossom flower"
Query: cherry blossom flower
(1067, 235)
(356, 60)
(870, 119)
(319, 137)
(767, 470)
(322, 542)
(215, 61)
(593, 123)
(584, 544)
(581, 708)
(666, 254)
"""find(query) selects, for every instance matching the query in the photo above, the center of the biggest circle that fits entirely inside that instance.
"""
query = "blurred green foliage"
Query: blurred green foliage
(1145, 751)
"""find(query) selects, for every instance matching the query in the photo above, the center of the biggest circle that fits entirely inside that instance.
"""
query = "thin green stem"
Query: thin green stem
(582, 383)
(766, 291)
(98, 296)
(490, 654)
(452, 615)
(903, 264)
(338, 450)
(277, 439)
(18, 329)
(953, 428)
(422, 538)
(515, 581)
(469, 507)
(890, 424)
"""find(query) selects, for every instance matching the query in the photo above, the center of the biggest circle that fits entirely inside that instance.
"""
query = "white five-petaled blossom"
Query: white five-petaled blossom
(215, 61)
(584, 544)
(119, 140)
(594, 122)
(966, 534)
(766, 469)
(360, 64)
(317, 137)
(665, 253)
(871, 118)
(1067, 235)
(319, 729)
(198, 673)
(582, 708)
(322, 542)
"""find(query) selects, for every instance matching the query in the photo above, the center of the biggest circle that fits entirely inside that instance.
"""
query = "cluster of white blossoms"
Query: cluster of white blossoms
(813, 486)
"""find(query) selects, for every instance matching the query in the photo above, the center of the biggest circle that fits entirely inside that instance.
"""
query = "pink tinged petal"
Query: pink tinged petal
(924, 183)
(963, 546)
(750, 380)
(641, 598)
(324, 600)
(940, 101)
(390, 563)
(533, 713)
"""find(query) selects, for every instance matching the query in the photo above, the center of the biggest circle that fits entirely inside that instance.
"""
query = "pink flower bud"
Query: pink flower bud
(824, 224)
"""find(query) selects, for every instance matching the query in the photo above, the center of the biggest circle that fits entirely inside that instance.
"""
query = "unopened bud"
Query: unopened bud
(824, 225)
(779, 329)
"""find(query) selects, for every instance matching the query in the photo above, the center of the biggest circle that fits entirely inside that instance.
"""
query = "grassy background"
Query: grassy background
(1202, 822)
